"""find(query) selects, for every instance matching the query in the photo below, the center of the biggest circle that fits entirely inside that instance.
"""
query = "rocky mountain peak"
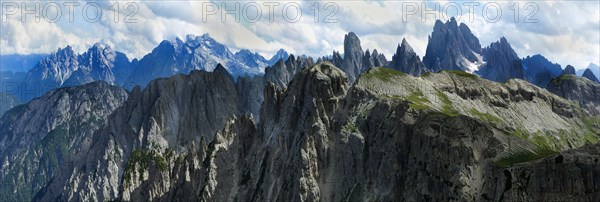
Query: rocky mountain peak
(452, 47)
(405, 46)
(99, 52)
(316, 92)
(569, 70)
(502, 62)
(352, 48)
(221, 70)
(68, 50)
(590, 75)
(253, 60)
(539, 70)
(595, 69)
(280, 55)
(353, 62)
(406, 60)
(195, 53)
(282, 72)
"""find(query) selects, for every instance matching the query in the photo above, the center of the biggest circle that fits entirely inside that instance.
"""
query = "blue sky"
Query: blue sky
(565, 32)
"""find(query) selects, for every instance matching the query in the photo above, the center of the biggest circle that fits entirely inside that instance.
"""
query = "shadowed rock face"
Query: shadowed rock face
(389, 136)
(406, 60)
(502, 62)
(568, 176)
(354, 61)
(540, 71)
(590, 75)
(451, 47)
(569, 70)
(282, 72)
(353, 56)
(579, 90)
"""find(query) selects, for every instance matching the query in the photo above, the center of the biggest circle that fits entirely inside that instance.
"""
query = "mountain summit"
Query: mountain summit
(502, 62)
(539, 70)
(452, 47)
(590, 75)
(193, 53)
(406, 60)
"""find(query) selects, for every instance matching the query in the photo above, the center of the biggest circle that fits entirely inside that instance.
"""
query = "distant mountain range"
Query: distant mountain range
(101, 63)
(451, 46)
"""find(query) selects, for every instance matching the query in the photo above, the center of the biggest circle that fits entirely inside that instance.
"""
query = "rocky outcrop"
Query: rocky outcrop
(282, 72)
(567, 176)
(502, 62)
(580, 90)
(374, 59)
(539, 70)
(39, 137)
(250, 95)
(8, 101)
(569, 70)
(452, 47)
(588, 74)
(353, 56)
(406, 60)
(354, 61)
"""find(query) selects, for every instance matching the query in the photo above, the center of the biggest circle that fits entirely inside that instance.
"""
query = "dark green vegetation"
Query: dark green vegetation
(447, 107)
(385, 74)
(462, 74)
(485, 116)
(142, 160)
(418, 101)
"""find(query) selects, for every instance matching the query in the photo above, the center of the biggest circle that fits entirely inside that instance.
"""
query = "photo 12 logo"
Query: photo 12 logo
(125, 12)
(252, 12)
(55, 11)
(491, 12)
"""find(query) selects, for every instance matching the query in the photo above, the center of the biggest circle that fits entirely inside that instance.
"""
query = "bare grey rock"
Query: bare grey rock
(580, 90)
(39, 137)
(282, 72)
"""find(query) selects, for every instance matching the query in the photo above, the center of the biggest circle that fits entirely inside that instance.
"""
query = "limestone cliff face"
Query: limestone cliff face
(388, 137)
(282, 72)
(53, 130)
(568, 176)
(132, 156)
(580, 90)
